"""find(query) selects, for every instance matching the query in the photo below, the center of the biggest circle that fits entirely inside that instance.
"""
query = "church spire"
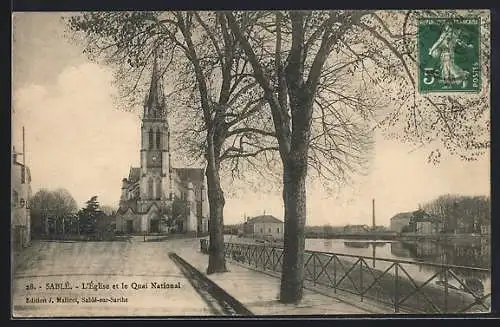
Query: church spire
(154, 104)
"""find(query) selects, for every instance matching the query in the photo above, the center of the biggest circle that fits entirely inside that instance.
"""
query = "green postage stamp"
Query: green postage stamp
(449, 54)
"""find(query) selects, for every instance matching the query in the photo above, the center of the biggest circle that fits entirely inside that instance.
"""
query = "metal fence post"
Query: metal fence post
(396, 295)
(445, 290)
(262, 256)
(314, 268)
(361, 279)
(256, 256)
(334, 274)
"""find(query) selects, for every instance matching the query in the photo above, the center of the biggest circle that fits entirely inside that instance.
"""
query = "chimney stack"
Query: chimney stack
(24, 151)
(373, 213)
(24, 177)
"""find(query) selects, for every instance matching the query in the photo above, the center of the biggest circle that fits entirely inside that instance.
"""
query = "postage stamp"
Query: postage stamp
(449, 50)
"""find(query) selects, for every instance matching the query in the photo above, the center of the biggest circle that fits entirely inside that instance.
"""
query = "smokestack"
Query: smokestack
(373, 213)
(24, 151)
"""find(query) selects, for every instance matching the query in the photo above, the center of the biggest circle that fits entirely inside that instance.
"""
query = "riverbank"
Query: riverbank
(392, 236)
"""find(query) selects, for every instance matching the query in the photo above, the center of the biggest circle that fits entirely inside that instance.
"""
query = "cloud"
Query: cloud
(76, 137)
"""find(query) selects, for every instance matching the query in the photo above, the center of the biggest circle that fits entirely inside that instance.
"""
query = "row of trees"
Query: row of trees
(55, 213)
(286, 89)
(461, 213)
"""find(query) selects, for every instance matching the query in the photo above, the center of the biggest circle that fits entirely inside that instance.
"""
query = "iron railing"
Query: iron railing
(390, 283)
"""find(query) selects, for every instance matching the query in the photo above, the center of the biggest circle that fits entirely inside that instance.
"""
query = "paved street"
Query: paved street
(131, 262)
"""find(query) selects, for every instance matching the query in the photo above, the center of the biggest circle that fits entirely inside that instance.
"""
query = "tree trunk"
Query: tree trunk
(294, 198)
(216, 259)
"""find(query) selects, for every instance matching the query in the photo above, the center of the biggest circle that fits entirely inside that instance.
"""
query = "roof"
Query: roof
(403, 215)
(264, 219)
(154, 204)
(190, 174)
(125, 205)
(134, 175)
(154, 103)
(422, 216)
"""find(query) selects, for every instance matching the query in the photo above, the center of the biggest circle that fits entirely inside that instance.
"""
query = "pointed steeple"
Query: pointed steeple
(154, 103)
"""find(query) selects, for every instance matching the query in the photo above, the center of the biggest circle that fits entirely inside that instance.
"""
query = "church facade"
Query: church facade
(149, 191)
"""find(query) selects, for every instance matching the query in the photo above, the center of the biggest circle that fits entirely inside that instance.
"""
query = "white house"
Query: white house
(264, 227)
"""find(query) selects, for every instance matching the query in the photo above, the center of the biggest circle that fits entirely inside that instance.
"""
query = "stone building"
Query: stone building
(150, 189)
(21, 195)
(264, 227)
(400, 220)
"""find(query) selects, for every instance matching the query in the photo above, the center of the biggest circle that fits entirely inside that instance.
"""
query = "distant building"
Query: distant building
(21, 196)
(265, 226)
(400, 220)
(356, 229)
(424, 223)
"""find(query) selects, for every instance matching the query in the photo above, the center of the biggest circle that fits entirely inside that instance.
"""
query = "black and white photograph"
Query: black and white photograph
(250, 163)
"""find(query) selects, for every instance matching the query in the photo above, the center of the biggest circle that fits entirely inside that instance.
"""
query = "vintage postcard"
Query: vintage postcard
(250, 163)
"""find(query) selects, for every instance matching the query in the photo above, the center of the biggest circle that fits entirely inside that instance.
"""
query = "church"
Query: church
(151, 189)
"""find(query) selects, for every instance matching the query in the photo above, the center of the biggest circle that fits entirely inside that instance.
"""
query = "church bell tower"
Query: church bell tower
(155, 138)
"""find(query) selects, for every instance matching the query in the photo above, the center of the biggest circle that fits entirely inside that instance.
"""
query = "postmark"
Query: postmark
(449, 54)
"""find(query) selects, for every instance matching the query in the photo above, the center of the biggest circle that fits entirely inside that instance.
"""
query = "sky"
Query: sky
(79, 139)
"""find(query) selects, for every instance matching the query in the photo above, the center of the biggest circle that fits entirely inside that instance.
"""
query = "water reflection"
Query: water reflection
(471, 253)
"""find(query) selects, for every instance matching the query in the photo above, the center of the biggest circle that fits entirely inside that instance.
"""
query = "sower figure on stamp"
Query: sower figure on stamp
(444, 48)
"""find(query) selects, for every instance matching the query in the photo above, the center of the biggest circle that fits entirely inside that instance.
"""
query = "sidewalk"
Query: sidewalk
(259, 291)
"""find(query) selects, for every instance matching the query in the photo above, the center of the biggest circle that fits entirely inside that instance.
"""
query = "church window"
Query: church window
(158, 189)
(150, 188)
(150, 138)
(158, 139)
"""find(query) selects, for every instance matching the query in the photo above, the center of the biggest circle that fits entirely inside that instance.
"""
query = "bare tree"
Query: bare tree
(465, 213)
(108, 210)
(368, 49)
(51, 208)
(209, 76)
